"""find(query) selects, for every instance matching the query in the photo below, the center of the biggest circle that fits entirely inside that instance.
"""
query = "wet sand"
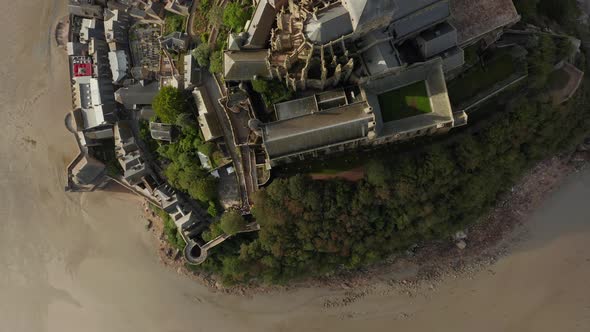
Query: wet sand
(83, 262)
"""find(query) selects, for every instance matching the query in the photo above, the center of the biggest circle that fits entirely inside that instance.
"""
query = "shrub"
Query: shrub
(212, 210)
(203, 189)
(272, 92)
(202, 53)
(207, 149)
(172, 23)
(216, 64)
(558, 10)
(232, 222)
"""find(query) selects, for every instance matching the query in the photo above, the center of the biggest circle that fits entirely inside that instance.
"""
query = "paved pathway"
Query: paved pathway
(212, 91)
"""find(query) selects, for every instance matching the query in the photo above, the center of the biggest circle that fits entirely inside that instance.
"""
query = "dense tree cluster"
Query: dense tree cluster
(537, 11)
(169, 103)
(544, 55)
(202, 54)
(232, 222)
(236, 14)
(170, 230)
(184, 170)
(216, 62)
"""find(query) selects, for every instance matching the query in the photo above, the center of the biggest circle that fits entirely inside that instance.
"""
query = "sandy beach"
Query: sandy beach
(84, 262)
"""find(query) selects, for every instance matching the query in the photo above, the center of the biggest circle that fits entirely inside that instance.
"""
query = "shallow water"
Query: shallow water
(83, 262)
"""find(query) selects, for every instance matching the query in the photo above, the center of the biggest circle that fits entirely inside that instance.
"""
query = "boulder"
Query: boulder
(460, 235)
(461, 244)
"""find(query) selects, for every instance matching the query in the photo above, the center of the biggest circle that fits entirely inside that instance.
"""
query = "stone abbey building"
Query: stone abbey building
(371, 72)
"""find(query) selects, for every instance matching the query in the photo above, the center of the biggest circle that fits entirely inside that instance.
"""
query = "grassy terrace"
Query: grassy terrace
(558, 79)
(172, 23)
(403, 103)
(480, 78)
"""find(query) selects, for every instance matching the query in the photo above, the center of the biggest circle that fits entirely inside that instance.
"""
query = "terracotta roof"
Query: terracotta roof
(475, 18)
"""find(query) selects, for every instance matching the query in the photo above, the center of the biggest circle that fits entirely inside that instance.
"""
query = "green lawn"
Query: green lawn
(403, 103)
(479, 79)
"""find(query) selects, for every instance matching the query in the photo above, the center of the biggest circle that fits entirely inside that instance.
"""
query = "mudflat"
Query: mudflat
(83, 262)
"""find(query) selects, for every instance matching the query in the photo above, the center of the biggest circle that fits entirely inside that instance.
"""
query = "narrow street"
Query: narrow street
(214, 95)
(191, 19)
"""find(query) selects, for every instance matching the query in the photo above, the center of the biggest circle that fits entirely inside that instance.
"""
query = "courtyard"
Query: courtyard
(406, 102)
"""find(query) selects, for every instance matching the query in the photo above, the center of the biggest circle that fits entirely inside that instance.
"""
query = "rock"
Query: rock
(148, 224)
(218, 285)
(460, 235)
(461, 244)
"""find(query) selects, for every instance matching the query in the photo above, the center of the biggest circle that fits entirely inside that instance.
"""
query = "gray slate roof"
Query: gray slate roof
(137, 94)
(175, 41)
(315, 130)
(415, 22)
(244, 65)
(261, 24)
(329, 24)
(437, 39)
(295, 108)
(365, 12)
(161, 131)
(406, 7)
(381, 56)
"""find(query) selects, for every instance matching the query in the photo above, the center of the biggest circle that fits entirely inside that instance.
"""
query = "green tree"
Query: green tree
(232, 222)
(272, 91)
(204, 5)
(235, 16)
(377, 173)
(188, 125)
(203, 189)
(526, 8)
(541, 61)
(207, 148)
(215, 15)
(213, 210)
(558, 10)
(169, 103)
(202, 53)
(216, 64)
